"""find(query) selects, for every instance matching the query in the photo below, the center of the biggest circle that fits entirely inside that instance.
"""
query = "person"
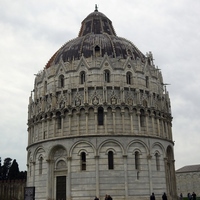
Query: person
(109, 197)
(106, 197)
(164, 196)
(152, 197)
(181, 196)
(194, 196)
(96, 198)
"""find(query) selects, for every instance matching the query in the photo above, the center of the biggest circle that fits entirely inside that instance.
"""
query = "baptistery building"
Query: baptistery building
(99, 121)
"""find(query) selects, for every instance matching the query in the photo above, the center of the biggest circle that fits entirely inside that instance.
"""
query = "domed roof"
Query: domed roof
(96, 34)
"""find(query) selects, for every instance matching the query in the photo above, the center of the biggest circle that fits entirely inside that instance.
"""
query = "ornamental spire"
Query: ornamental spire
(96, 8)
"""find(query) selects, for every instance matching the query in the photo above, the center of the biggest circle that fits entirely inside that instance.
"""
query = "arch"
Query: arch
(41, 151)
(137, 148)
(79, 142)
(110, 140)
(58, 147)
(159, 145)
(60, 164)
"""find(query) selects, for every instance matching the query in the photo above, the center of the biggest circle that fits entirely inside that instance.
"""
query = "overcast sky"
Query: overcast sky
(31, 31)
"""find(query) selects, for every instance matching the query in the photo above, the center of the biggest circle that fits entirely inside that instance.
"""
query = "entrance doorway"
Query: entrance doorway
(61, 188)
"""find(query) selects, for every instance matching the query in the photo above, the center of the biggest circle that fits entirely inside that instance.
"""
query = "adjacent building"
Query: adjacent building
(99, 121)
(188, 180)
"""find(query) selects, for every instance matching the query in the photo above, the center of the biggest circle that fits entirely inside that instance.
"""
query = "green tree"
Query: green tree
(6, 167)
(14, 170)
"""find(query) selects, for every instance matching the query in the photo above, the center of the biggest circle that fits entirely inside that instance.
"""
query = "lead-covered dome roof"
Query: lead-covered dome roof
(96, 34)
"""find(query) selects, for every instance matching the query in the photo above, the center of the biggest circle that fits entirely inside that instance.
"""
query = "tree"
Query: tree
(14, 170)
(5, 168)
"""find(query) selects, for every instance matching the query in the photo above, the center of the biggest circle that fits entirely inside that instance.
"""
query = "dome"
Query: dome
(96, 34)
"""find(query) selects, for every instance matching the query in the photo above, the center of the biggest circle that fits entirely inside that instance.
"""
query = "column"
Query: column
(86, 122)
(123, 125)
(131, 118)
(97, 175)
(69, 160)
(125, 176)
(95, 118)
(150, 174)
(113, 114)
(62, 124)
(105, 121)
(139, 125)
(49, 180)
(54, 124)
(70, 118)
(78, 122)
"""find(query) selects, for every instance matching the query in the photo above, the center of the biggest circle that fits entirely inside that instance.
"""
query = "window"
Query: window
(59, 121)
(61, 81)
(82, 77)
(142, 118)
(40, 165)
(128, 78)
(137, 160)
(83, 161)
(110, 160)
(107, 76)
(100, 116)
(97, 51)
(157, 162)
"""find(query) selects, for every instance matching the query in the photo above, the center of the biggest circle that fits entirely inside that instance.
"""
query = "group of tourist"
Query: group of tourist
(107, 197)
(164, 196)
(152, 197)
(192, 196)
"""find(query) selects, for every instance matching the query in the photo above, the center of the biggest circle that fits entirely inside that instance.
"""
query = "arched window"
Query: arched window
(59, 120)
(83, 161)
(97, 51)
(100, 116)
(137, 160)
(157, 161)
(82, 77)
(40, 165)
(142, 118)
(110, 160)
(107, 76)
(61, 81)
(129, 78)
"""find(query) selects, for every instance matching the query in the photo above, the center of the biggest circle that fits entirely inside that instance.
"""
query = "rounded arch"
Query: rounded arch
(53, 150)
(107, 141)
(39, 150)
(170, 153)
(137, 141)
(60, 163)
(159, 145)
(110, 149)
(79, 142)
